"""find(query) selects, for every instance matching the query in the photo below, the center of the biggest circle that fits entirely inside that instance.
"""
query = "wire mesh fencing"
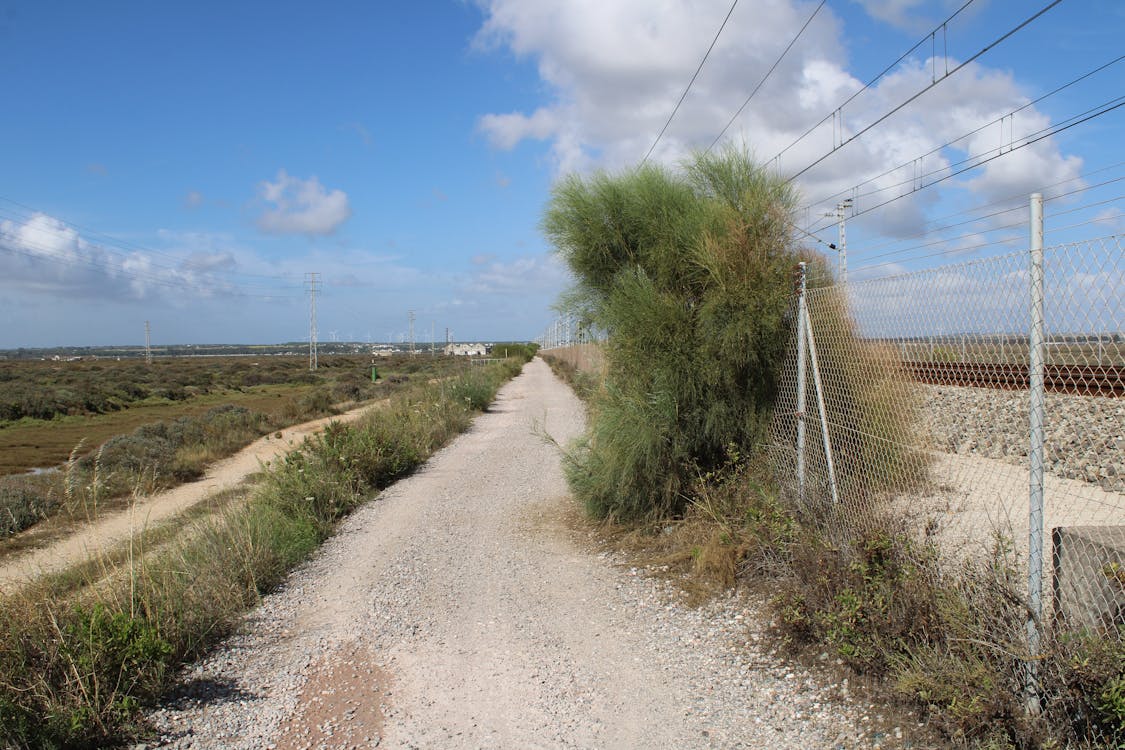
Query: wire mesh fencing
(930, 406)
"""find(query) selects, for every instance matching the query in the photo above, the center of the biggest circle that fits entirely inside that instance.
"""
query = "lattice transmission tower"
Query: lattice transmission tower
(148, 344)
(312, 286)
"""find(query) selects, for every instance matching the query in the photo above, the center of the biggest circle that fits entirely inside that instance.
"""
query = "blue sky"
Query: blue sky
(188, 163)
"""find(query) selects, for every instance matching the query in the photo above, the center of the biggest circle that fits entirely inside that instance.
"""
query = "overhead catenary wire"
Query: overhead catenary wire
(1022, 196)
(954, 251)
(957, 250)
(946, 240)
(875, 80)
(972, 58)
(1046, 133)
(1088, 206)
(1083, 189)
(690, 83)
(1013, 225)
(975, 160)
(853, 190)
(767, 75)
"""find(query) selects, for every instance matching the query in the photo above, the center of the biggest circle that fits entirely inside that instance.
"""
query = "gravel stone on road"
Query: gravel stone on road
(460, 610)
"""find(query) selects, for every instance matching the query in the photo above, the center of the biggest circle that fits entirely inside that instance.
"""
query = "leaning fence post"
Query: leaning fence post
(1036, 341)
(823, 412)
(801, 357)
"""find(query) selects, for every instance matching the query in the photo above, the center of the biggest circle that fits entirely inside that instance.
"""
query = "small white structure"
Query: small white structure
(466, 350)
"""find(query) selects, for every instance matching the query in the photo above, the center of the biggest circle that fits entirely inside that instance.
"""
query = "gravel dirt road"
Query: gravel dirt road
(461, 609)
(113, 528)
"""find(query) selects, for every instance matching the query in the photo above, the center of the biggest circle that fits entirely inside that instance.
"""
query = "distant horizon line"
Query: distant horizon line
(302, 345)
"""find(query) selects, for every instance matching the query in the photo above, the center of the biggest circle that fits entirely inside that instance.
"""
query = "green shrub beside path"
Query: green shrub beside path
(690, 272)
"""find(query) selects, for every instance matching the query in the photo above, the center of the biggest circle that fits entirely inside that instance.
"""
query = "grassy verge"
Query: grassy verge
(584, 384)
(157, 455)
(948, 642)
(77, 663)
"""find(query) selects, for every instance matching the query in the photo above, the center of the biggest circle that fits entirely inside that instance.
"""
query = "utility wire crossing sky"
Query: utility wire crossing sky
(188, 165)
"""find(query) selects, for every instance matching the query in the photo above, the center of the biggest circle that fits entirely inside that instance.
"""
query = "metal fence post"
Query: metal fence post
(1035, 456)
(823, 412)
(801, 376)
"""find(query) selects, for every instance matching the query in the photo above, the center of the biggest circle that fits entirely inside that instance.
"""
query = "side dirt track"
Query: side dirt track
(114, 528)
(462, 609)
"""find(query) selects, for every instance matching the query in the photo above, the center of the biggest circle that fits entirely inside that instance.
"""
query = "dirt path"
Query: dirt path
(113, 528)
(462, 609)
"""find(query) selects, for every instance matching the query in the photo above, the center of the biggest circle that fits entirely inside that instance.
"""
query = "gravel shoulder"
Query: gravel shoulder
(460, 610)
(114, 528)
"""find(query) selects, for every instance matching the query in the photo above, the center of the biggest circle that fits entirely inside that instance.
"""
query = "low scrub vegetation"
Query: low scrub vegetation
(162, 454)
(691, 274)
(151, 458)
(519, 351)
(45, 390)
(585, 384)
(77, 664)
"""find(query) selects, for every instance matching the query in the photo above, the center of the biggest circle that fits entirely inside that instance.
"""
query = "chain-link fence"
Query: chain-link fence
(930, 405)
(575, 342)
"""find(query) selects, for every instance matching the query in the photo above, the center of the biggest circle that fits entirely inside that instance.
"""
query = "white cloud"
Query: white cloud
(1112, 217)
(505, 131)
(301, 206)
(614, 71)
(41, 254)
(918, 16)
(901, 13)
(535, 276)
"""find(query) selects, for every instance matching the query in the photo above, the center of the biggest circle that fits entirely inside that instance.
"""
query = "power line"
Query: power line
(958, 250)
(932, 35)
(1086, 188)
(1086, 206)
(947, 240)
(810, 235)
(692, 81)
(1001, 202)
(1090, 114)
(766, 76)
(1013, 225)
(916, 160)
(955, 251)
(918, 181)
(1079, 224)
(919, 93)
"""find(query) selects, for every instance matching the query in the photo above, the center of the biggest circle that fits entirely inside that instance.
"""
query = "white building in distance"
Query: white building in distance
(466, 350)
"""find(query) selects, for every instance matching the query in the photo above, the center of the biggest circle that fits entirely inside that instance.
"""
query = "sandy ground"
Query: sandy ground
(977, 498)
(112, 529)
(462, 609)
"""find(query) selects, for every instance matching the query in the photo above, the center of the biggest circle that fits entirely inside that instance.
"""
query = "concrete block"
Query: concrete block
(1089, 576)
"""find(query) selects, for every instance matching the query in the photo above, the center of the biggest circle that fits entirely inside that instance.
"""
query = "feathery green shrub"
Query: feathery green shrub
(690, 272)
